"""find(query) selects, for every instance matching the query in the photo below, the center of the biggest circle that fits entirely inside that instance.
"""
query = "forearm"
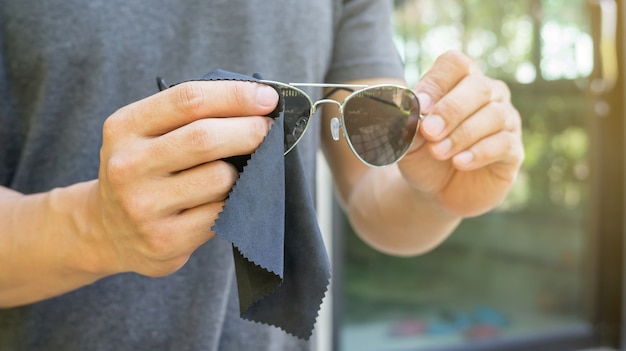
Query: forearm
(462, 163)
(393, 217)
(44, 245)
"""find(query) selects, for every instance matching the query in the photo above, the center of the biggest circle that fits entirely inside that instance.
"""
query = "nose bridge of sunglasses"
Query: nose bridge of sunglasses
(335, 122)
(326, 101)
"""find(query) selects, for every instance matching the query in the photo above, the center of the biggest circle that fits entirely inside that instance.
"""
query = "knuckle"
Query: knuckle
(120, 169)
(455, 62)
(448, 69)
(240, 93)
(481, 87)
(510, 148)
(115, 124)
(138, 209)
(516, 146)
(201, 137)
(190, 97)
(223, 176)
(509, 142)
(502, 115)
(456, 58)
(509, 116)
(463, 136)
(435, 85)
(502, 89)
(449, 108)
(109, 128)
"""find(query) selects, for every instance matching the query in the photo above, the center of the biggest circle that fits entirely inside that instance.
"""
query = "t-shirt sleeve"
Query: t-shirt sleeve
(363, 42)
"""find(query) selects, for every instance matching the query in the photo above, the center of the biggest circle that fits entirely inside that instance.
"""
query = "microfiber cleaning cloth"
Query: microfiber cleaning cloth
(281, 265)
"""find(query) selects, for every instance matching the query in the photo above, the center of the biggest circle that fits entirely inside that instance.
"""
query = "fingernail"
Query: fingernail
(433, 125)
(425, 102)
(266, 96)
(443, 147)
(464, 158)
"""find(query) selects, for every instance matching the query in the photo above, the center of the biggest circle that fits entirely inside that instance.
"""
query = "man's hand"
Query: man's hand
(161, 182)
(463, 161)
(469, 149)
(161, 186)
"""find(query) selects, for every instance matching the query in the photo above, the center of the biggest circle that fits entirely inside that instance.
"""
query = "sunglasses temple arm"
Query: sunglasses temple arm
(161, 84)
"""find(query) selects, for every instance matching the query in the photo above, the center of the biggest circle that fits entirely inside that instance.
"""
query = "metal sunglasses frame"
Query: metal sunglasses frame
(337, 124)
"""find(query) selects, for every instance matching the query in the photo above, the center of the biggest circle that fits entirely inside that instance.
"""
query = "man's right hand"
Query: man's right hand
(162, 183)
(161, 186)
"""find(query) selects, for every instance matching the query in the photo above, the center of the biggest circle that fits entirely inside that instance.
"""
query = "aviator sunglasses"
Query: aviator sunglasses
(378, 121)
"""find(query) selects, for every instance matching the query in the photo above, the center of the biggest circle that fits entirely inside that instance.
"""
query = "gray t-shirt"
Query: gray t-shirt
(67, 65)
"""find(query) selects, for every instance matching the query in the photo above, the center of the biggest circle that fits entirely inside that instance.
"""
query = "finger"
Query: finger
(207, 183)
(500, 91)
(190, 101)
(180, 235)
(504, 148)
(198, 222)
(161, 197)
(488, 120)
(447, 71)
(468, 96)
(206, 140)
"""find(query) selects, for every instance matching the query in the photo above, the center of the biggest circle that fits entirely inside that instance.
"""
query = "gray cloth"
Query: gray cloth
(66, 66)
(281, 263)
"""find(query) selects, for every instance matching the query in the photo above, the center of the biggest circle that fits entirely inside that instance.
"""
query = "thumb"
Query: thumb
(447, 71)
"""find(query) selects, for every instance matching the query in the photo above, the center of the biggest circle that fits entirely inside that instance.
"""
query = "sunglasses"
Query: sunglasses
(378, 122)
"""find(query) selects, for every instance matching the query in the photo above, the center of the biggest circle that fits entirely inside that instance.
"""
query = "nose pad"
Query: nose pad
(335, 125)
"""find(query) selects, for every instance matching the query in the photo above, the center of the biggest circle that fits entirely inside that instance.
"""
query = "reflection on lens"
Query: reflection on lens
(381, 122)
(296, 116)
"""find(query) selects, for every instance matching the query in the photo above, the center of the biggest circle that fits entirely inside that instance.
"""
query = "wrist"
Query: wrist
(87, 251)
(49, 244)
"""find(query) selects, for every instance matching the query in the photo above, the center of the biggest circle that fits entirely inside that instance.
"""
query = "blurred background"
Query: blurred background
(543, 271)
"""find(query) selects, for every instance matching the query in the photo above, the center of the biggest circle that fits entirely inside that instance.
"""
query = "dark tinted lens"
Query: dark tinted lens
(297, 114)
(381, 123)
